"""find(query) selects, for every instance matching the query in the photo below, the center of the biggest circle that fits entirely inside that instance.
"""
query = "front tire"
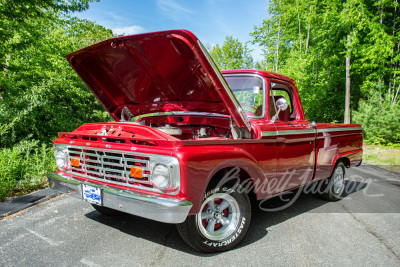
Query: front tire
(222, 222)
(332, 189)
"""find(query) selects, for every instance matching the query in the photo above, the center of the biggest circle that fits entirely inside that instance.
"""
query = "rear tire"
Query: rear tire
(107, 211)
(332, 189)
(222, 222)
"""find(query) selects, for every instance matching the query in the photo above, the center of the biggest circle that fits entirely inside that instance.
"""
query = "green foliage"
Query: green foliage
(20, 21)
(40, 94)
(24, 166)
(307, 40)
(232, 55)
(380, 119)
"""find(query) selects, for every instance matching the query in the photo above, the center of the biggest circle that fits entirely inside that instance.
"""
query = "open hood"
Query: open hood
(156, 72)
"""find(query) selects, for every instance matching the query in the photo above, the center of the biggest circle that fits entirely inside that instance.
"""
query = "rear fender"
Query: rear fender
(353, 158)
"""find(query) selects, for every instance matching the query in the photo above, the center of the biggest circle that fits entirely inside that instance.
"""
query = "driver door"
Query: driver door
(295, 139)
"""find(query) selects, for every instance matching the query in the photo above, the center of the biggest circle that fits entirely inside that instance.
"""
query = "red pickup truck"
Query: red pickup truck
(192, 145)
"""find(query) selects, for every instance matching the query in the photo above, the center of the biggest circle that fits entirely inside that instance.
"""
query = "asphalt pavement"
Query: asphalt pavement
(363, 229)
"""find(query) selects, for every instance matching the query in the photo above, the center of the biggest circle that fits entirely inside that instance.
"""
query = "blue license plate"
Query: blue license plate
(91, 194)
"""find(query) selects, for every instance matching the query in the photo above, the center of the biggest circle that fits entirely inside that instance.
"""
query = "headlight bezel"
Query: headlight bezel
(61, 157)
(172, 164)
(162, 185)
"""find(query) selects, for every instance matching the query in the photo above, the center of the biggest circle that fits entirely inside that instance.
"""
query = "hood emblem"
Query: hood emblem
(103, 132)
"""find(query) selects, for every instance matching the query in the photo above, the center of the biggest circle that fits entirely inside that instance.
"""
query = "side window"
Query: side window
(282, 93)
(278, 91)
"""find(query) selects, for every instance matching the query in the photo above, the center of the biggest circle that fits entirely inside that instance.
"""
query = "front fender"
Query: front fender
(200, 164)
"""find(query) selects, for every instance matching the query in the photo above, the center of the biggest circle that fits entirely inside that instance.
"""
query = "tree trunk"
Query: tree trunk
(298, 17)
(397, 93)
(277, 43)
(308, 31)
(6, 67)
(308, 38)
(347, 102)
(391, 60)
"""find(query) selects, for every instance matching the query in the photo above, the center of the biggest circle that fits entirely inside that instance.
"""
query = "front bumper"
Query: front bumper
(143, 205)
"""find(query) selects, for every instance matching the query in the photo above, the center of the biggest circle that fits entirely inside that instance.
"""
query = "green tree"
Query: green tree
(232, 55)
(40, 95)
(310, 41)
(19, 21)
(379, 118)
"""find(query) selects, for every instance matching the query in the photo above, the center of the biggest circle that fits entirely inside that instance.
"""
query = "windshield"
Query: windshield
(249, 91)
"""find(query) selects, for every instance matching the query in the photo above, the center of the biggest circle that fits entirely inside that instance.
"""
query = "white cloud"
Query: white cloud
(172, 9)
(116, 17)
(128, 30)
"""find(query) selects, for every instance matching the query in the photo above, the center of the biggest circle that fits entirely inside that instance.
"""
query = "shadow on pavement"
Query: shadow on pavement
(262, 219)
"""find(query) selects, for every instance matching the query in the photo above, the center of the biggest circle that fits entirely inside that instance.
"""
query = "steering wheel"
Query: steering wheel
(250, 106)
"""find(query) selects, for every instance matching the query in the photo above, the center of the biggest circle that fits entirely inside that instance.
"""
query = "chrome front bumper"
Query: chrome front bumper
(148, 206)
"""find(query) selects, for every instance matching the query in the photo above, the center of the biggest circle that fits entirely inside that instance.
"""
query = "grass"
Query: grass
(384, 157)
(23, 168)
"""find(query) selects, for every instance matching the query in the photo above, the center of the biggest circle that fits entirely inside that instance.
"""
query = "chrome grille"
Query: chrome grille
(109, 165)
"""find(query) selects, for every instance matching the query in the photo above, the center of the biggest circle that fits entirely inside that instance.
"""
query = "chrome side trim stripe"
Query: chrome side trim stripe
(339, 129)
(294, 132)
(298, 132)
(273, 133)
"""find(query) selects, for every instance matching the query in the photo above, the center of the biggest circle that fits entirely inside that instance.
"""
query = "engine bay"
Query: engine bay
(190, 127)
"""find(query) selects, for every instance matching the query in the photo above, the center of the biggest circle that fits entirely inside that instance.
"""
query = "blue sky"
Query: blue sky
(210, 20)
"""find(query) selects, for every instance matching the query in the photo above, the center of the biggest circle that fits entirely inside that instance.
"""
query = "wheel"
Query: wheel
(107, 211)
(222, 222)
(332, 188)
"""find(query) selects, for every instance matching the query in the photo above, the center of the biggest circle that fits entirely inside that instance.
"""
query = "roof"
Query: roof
(264, 73)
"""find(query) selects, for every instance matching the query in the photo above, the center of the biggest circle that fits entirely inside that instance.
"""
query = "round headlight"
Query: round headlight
(160, 176)
(61, 156)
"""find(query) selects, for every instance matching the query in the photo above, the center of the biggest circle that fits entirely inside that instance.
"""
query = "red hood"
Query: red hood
(156, 72)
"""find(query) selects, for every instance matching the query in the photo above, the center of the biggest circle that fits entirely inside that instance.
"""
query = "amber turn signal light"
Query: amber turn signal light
(137, 173)
(75, 162)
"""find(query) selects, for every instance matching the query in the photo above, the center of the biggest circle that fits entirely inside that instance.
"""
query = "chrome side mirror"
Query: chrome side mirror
(281, 104)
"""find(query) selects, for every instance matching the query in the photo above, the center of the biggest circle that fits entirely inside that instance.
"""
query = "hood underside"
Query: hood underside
(156, 72)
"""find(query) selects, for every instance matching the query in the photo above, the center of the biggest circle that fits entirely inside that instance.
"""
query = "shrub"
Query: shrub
(23, 167)
(380, 119)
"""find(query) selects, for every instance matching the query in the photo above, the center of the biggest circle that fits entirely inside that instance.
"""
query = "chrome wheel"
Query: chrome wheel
(338, 181)
(332, 188)
(218, 217)
(222, 221)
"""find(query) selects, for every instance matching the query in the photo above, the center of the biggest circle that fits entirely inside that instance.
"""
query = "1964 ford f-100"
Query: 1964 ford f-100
(191, 145)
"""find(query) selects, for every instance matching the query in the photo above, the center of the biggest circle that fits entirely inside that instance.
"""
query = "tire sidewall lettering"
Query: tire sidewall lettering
(228, 190)
(211, 192)
(216, 190)
(230, 239)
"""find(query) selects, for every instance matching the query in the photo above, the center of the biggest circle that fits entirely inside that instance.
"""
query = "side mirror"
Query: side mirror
(281, 104)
